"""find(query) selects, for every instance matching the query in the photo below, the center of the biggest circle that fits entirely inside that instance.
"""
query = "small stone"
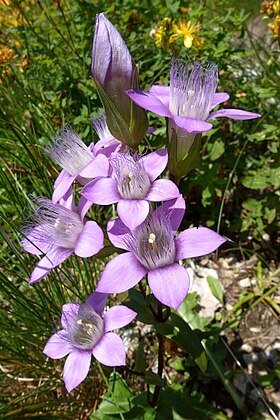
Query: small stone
(255, 330)
(246, 347)
(245, 282)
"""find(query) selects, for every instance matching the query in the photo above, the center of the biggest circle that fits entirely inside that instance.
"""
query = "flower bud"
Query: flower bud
(114, 72)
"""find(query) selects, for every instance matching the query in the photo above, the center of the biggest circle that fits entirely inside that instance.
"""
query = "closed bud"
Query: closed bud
(114, 72)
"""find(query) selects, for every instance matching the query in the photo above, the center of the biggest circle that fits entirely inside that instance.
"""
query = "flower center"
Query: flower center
(56, 224)
(86, 328)
(70, 152)
(131, 176)
(152, 242)
(192, 88)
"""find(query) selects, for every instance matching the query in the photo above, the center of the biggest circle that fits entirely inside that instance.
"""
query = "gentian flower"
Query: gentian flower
(187, 104)
(58, 230)
(78, 161)
(114, 72)
(87, 332)
(153, 249)
(189, 98)
(132, 185)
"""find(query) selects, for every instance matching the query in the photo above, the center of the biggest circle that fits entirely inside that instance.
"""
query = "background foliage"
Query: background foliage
(45, 56)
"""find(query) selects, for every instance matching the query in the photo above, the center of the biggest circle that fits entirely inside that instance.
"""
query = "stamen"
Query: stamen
(131, 176)
(55, 224)
(192, 87)
(152, 242)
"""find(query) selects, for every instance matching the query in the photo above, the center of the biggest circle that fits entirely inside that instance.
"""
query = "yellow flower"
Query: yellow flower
(274, 25)
(186, 30)
(162, 33)
(6, 54)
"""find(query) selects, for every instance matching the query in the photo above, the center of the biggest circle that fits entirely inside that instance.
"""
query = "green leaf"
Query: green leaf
(153, 379)
(117, 399)
(217, 150)
(177, 329)
(216, 288)
(255, 182)
(140, 360)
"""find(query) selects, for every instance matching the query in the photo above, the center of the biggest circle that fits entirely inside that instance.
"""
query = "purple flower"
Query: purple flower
(132, 185)
(86, 332)
(189, 99)
(114, 72)
(153, 249)
(58, 230)
(78, 161)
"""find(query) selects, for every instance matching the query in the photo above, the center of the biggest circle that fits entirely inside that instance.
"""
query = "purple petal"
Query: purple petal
(110, 350)
(149, 101)
(120, 274)
(84, 206)
(191, 125)
(118, 317)
(133, 212)
(90, 241)
(68, 201)
(97, 301)
(32, 244)
(118, 233)
(102, 191)
(69, 310)
(162, 190)
(161, 92)
(57, 346)
(235, 114)
(196, 242)
(219, 98)
(76, 368)
(99, 166)
(169, 284)
(53, 258)
(155, 163)
(174, 210)
(63, 186)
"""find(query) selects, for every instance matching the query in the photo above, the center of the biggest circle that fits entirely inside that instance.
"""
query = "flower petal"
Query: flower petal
(99, 166)
(90, 241)
(196, 242)
(102, 191)
(133, 212)
(118, 233)
(118, 317)
(110, 350)
(162, 190)
(148, 101)
(219, 98)
(235, 114)
(120, 274)
(162, 93)
(68, 201)
(63, 186)
(97, 301)
(57, 346)
(169, 284)
(191, 125)
(69, 311)
(174, 210)
(84, 206)
(32, 244)
(155, 163)
(76, 368)
(52, 259)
